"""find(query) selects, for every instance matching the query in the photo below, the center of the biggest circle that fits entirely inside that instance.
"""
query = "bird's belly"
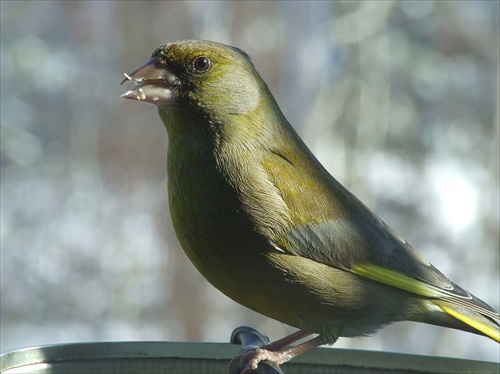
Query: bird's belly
(221, 240)
(292, 289)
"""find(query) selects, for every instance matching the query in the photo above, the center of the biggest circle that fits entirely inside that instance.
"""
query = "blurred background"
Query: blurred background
(398, 99)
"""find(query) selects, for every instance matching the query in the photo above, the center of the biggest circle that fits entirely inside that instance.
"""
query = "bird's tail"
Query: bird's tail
(471, 315)
(452, 307)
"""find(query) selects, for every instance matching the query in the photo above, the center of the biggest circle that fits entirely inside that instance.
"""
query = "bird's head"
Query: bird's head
(214, 80)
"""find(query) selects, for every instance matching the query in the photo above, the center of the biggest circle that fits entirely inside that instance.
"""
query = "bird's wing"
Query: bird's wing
(353, 239)
(374, 251)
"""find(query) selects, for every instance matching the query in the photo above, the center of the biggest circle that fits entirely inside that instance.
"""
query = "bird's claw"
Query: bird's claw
(254, 350)
(250, 360)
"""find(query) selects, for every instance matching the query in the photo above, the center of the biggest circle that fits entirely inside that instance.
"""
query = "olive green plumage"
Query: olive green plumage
(266, 224)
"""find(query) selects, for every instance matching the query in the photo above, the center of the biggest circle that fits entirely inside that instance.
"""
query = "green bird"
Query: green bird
(265, 223)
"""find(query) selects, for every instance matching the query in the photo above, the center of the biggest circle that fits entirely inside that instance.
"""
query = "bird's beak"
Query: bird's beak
(154, 84)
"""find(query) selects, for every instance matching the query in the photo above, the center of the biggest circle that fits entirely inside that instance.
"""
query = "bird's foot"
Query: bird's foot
(256, 349)
(250, 360)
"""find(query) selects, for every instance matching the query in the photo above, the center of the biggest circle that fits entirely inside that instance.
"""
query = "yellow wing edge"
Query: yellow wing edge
(395, 279)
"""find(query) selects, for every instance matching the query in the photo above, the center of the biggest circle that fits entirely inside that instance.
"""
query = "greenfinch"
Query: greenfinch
(265, 223)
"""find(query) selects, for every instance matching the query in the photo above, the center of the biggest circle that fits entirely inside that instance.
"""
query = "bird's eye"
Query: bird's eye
(202, 63)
